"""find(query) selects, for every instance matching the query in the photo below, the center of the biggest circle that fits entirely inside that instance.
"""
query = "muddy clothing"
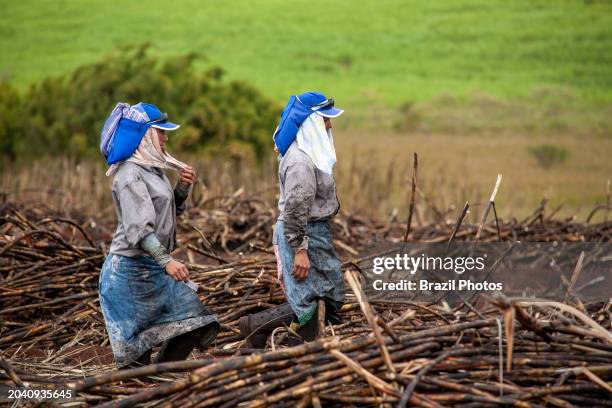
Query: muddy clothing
(307, 201)
(145, 203)
(142, 305)
(306, 195)
(324, 280)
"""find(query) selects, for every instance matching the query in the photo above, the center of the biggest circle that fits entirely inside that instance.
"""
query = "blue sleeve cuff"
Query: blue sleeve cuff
(153, 247)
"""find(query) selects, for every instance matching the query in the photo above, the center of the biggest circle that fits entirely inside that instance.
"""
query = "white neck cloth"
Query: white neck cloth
(317, 142)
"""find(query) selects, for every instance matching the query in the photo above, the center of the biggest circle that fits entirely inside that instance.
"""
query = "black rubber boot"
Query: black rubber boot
(143, 360)
(332, 311)
(207, 334)
(310, 331)
(305, 333)
(179, 347)
(256, 327)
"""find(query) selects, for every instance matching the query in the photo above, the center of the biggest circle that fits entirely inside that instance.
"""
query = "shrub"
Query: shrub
(64, 115)
(548, 155)
(10, 119)
(409, 118)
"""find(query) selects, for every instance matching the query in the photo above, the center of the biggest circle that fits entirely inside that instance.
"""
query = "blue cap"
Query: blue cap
(317, 102)
(157, 119)
(295, 113)
(127, 125)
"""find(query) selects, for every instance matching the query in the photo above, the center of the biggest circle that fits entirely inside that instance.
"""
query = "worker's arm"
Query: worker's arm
(300, 189)
(181, 192)
(138, 219)
(183, 187)
(153, 247)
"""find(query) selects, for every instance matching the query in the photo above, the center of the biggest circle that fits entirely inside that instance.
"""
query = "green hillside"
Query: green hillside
(381, 54)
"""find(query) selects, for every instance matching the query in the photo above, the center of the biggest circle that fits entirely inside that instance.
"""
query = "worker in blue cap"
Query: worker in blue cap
(145, 295)
(308, 266)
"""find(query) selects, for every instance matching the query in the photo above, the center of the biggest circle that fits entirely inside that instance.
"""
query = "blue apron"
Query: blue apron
(143, 306)
(324, 278)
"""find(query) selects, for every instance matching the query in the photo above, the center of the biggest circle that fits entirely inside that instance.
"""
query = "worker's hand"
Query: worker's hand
(177, 270)
(188, 176)
(301, 265)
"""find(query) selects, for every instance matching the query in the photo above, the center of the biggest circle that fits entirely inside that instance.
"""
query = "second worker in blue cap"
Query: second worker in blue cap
(308, 266)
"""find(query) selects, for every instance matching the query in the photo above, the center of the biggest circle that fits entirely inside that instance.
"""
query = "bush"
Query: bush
(10, 119)
(64, 115)
(409, 119)
(548, 155)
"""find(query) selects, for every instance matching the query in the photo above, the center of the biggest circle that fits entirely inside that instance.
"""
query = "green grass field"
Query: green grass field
(491, 58)
(469, 84)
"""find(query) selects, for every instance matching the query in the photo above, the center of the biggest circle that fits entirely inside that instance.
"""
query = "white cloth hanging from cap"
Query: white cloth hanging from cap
(317, 142)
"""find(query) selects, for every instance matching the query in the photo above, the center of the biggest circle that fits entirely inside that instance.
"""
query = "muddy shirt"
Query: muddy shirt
(145, 203)
(306, 194)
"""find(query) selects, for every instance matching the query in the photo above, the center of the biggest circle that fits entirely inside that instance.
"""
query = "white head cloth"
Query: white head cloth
(317, 142)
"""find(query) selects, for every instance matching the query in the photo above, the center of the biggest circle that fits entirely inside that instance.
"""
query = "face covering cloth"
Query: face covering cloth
(317, 142)
(150, 153)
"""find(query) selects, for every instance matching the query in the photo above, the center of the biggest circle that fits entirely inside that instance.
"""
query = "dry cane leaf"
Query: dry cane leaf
(509, 331)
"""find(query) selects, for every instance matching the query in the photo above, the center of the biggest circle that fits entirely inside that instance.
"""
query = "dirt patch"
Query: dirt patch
(93, 354)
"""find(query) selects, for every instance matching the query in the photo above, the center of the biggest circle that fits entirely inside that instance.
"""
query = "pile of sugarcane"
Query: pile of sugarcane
(236, 223)
(513, 352)
(519, 353)
(49, 281)
(423, 363)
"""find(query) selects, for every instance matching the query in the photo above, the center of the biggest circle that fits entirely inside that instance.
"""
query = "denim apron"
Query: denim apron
(324, 278)
(143, 306)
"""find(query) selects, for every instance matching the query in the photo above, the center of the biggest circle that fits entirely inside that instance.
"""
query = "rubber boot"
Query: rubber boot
(256, 327)
(207, 334)
(307, 332)
(332, 311)
(310, 331)
(143, 360)
(179, 347)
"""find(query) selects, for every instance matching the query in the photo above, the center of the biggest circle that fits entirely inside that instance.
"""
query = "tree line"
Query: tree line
(63, 115)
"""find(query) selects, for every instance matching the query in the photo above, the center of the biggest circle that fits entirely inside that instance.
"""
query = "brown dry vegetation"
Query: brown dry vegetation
(373, 173)
(455, 169)
(386, 349)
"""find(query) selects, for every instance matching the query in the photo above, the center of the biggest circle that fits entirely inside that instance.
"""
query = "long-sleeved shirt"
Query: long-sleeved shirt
(145, 203)
(306, 194)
